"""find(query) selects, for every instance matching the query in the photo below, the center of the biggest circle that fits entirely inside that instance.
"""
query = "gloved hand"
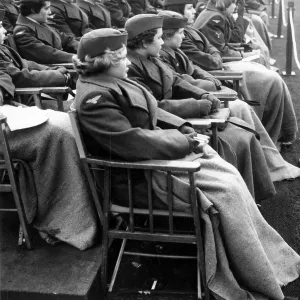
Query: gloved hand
(205, 107)
(240, 8)
(185, 129)
(214, 100)
(216, 81)
(192, 142)
(62, 70)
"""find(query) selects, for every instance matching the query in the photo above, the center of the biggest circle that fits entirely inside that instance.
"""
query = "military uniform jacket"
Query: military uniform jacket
(11, 15)
(216, 26)
(120, 11)
(180, 63)
(173, 94)
(28, 73)
(42, 43)
(98, 14)
(198, 49)
(69, 18)
(6, 86)
(141, 7)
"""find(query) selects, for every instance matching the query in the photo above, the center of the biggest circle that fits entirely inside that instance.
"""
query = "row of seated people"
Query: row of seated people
(143, 117)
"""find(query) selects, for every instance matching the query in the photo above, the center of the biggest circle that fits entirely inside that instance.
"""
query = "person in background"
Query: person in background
(276, 110)
(120, 11)
(142, 7)
(11, 14)
(28, 73)
(36, 40)
(111, 108)
(68, 18)
(98, 14)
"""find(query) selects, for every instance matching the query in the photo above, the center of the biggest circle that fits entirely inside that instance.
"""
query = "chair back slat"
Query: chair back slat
(170, 202)
(150, 201)
(130, 198)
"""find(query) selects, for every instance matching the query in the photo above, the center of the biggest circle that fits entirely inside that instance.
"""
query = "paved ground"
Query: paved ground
(282, 211)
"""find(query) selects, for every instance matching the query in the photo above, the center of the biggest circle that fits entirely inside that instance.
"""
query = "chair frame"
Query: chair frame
(7, 165)
(104, 207)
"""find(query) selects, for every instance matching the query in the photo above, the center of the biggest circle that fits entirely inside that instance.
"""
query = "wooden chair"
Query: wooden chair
(105, 208)
(7, 166)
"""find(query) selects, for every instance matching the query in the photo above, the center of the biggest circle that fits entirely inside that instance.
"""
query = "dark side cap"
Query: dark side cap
(2, 14)
(141, 23)
(172, 2)
(172, 20)
(94, 43)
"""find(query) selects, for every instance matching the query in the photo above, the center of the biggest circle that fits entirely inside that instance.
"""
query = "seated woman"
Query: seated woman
(120, 119)
(54, 189)
(218, 25)
(276, 110)
(98, 14)
(173, 32)
(120, 11)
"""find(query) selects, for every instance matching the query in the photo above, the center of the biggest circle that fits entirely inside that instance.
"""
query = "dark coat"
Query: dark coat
(120, 11)
(199, 50)
(69, 18)
(180, 63)
(28, 73)
(119, 120)
(42, 43)
(98, 14)
(6, 86)
(11, 15)
(220, 29)
(169, 89)
(141, 7)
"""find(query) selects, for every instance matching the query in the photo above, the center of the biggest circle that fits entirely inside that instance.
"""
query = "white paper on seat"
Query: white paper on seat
(23, 117)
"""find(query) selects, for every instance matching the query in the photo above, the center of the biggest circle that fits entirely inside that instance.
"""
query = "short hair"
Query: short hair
(222, 4)
(98, 64)
(169, 33)
(179, 8)
(31, 7)
(146, 37)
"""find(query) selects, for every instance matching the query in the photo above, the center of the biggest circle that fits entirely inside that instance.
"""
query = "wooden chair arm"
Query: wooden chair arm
(56, 89)
(66, 65)
(164, 165)
(26, 91)
(223, 96)
(227, 75)
(234, 44)
(229, 59)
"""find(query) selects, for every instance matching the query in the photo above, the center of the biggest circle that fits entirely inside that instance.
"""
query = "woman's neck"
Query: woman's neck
(142, 52)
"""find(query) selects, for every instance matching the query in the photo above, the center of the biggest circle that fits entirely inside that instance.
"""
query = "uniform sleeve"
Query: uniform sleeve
(105, 122)
(69, 43)
(238, 31)
(6, 84)
(207, 60)
(33, 49)
(116, 13)
(59, 21)
(32, 78)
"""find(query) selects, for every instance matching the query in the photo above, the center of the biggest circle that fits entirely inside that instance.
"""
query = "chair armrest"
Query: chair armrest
(26, 91)
(229, 59)
(230, 95)
(234, 44)
(66, 65)
(56, 90)
(164, 165)
(227, 75)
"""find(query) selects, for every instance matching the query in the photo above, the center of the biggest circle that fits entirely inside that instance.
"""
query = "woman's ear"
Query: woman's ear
(145, 45)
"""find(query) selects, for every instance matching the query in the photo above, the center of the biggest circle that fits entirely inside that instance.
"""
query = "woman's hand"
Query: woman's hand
(214, 100)
(185, 129)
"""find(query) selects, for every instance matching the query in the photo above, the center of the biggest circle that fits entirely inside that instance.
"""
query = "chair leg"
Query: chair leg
(60, 104)
(104, 264)
(116, 269)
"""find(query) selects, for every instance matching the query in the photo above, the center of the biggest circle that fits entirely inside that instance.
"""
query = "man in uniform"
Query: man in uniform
(36, 40)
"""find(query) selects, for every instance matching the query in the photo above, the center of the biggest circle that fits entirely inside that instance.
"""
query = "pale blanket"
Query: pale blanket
(245, 257)
(276, 110)
(279, 169)
(61, 204)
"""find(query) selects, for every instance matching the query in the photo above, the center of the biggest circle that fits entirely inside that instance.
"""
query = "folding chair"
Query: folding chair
(7, 166)
(151, 233)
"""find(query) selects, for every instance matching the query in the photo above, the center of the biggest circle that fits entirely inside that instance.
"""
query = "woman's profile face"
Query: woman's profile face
(176, 40)
(230, 9)
(154, 48)
(189, 13)
(121, 68)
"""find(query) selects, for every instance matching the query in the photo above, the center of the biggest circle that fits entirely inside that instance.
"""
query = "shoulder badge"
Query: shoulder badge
(20, 32)
(216, 21)
(94, 100)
